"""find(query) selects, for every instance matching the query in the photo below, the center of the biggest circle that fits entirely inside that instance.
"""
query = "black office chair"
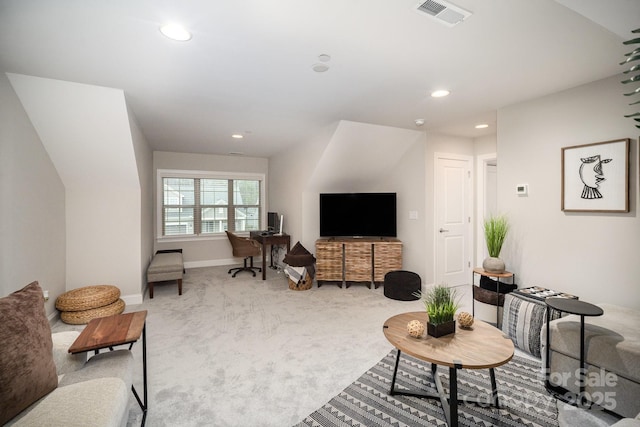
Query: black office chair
(246, 248)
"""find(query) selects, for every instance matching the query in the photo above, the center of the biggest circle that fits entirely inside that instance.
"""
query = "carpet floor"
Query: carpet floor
(247, 352)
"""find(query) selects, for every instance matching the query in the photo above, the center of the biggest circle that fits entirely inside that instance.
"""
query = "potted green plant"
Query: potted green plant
(441, 304)
(495, 231)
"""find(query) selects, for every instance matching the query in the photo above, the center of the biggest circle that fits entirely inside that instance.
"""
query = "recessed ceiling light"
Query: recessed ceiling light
(324, 58)
(175, 32)
(482, 126)
(237, 136)
(440, 93)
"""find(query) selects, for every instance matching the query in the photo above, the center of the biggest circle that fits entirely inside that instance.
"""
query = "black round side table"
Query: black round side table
(582, 309)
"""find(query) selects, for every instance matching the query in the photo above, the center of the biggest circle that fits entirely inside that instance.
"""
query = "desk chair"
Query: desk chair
(245, 248)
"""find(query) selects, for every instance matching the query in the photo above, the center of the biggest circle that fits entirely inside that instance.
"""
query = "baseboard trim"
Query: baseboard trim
(221, 262)
(53, 317)
(133, 299)
(209, 263)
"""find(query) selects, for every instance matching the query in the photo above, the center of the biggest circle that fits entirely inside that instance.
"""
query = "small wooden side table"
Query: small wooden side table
(497, 276)
(582, 309)
(119, 329)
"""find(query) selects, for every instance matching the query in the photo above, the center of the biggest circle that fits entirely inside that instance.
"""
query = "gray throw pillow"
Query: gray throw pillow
(27, 371)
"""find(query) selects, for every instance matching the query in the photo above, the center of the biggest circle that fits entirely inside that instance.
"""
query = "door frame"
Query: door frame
(482, 162)
(470, 198)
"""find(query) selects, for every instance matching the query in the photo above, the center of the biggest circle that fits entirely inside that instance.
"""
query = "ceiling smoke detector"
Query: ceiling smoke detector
(444, 12)
(320, 67)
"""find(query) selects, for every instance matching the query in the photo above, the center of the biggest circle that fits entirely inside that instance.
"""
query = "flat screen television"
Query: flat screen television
(358, 215)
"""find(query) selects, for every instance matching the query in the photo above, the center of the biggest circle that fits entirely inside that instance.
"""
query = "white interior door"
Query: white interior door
(453, 219)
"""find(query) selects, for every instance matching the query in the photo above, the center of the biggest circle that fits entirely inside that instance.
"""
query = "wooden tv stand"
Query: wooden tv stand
(346, 260)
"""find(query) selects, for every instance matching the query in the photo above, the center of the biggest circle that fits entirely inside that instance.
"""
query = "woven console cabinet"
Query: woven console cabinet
(79, 306)
(350, 260)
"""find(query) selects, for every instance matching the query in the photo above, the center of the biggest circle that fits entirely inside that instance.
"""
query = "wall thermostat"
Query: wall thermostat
(522, 189)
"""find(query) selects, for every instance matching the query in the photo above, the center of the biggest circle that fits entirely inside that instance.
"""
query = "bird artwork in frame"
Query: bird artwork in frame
(595, 177)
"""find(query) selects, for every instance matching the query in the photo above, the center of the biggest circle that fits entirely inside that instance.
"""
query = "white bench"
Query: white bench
(165, 266)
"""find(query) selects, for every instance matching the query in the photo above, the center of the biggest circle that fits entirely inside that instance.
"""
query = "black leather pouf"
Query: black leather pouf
(401, 285)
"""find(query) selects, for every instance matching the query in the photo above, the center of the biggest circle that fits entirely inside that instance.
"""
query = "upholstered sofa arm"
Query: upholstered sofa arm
(628, 422)
(64, 361)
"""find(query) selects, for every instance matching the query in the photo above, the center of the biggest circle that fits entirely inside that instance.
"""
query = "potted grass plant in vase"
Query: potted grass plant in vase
(495, 231)
(441, 305)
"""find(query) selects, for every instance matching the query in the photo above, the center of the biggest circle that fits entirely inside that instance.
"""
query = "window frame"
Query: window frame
(193, 174)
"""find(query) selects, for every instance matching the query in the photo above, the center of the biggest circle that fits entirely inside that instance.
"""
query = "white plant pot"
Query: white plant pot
(493, 265)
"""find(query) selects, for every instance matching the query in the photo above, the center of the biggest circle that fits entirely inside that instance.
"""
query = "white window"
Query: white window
(208, 203)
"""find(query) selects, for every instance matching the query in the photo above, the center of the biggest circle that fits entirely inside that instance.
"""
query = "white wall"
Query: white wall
(214, 250)
(86, 131)
(592, 255)
(408, 178)
(289, 175)
(353, 157)
(103, 239)
(32, 205)
(144, 162)
(485, 144)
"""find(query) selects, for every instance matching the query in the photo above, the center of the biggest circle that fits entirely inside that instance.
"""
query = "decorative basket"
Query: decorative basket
(302, 285)
(87, 298)
(83, 317)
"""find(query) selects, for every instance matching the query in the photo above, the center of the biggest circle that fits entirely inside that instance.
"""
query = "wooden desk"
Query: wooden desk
(269, 240)
(481, 347)
(119, 329)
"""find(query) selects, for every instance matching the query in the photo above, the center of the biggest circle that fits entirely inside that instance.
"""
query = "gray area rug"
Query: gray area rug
(523, 398)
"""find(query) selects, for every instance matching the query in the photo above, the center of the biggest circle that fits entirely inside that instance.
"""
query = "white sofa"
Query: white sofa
(41, 384)
(94, 392)
(612, 356)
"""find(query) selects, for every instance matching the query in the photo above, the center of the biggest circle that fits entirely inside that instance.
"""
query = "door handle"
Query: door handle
(442, 230)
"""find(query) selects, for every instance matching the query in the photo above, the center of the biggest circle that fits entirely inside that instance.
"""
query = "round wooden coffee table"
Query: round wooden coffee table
(481, 347)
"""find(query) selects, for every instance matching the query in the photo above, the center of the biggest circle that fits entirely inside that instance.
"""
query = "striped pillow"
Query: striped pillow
(523, 320)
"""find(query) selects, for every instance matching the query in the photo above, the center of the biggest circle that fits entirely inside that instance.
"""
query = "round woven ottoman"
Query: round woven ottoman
(79, 306)
(401, 285)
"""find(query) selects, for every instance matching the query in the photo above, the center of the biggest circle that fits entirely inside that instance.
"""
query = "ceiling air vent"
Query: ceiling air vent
(445, 12)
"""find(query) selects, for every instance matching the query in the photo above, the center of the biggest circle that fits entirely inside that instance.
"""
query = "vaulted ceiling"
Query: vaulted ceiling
(248, 67)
